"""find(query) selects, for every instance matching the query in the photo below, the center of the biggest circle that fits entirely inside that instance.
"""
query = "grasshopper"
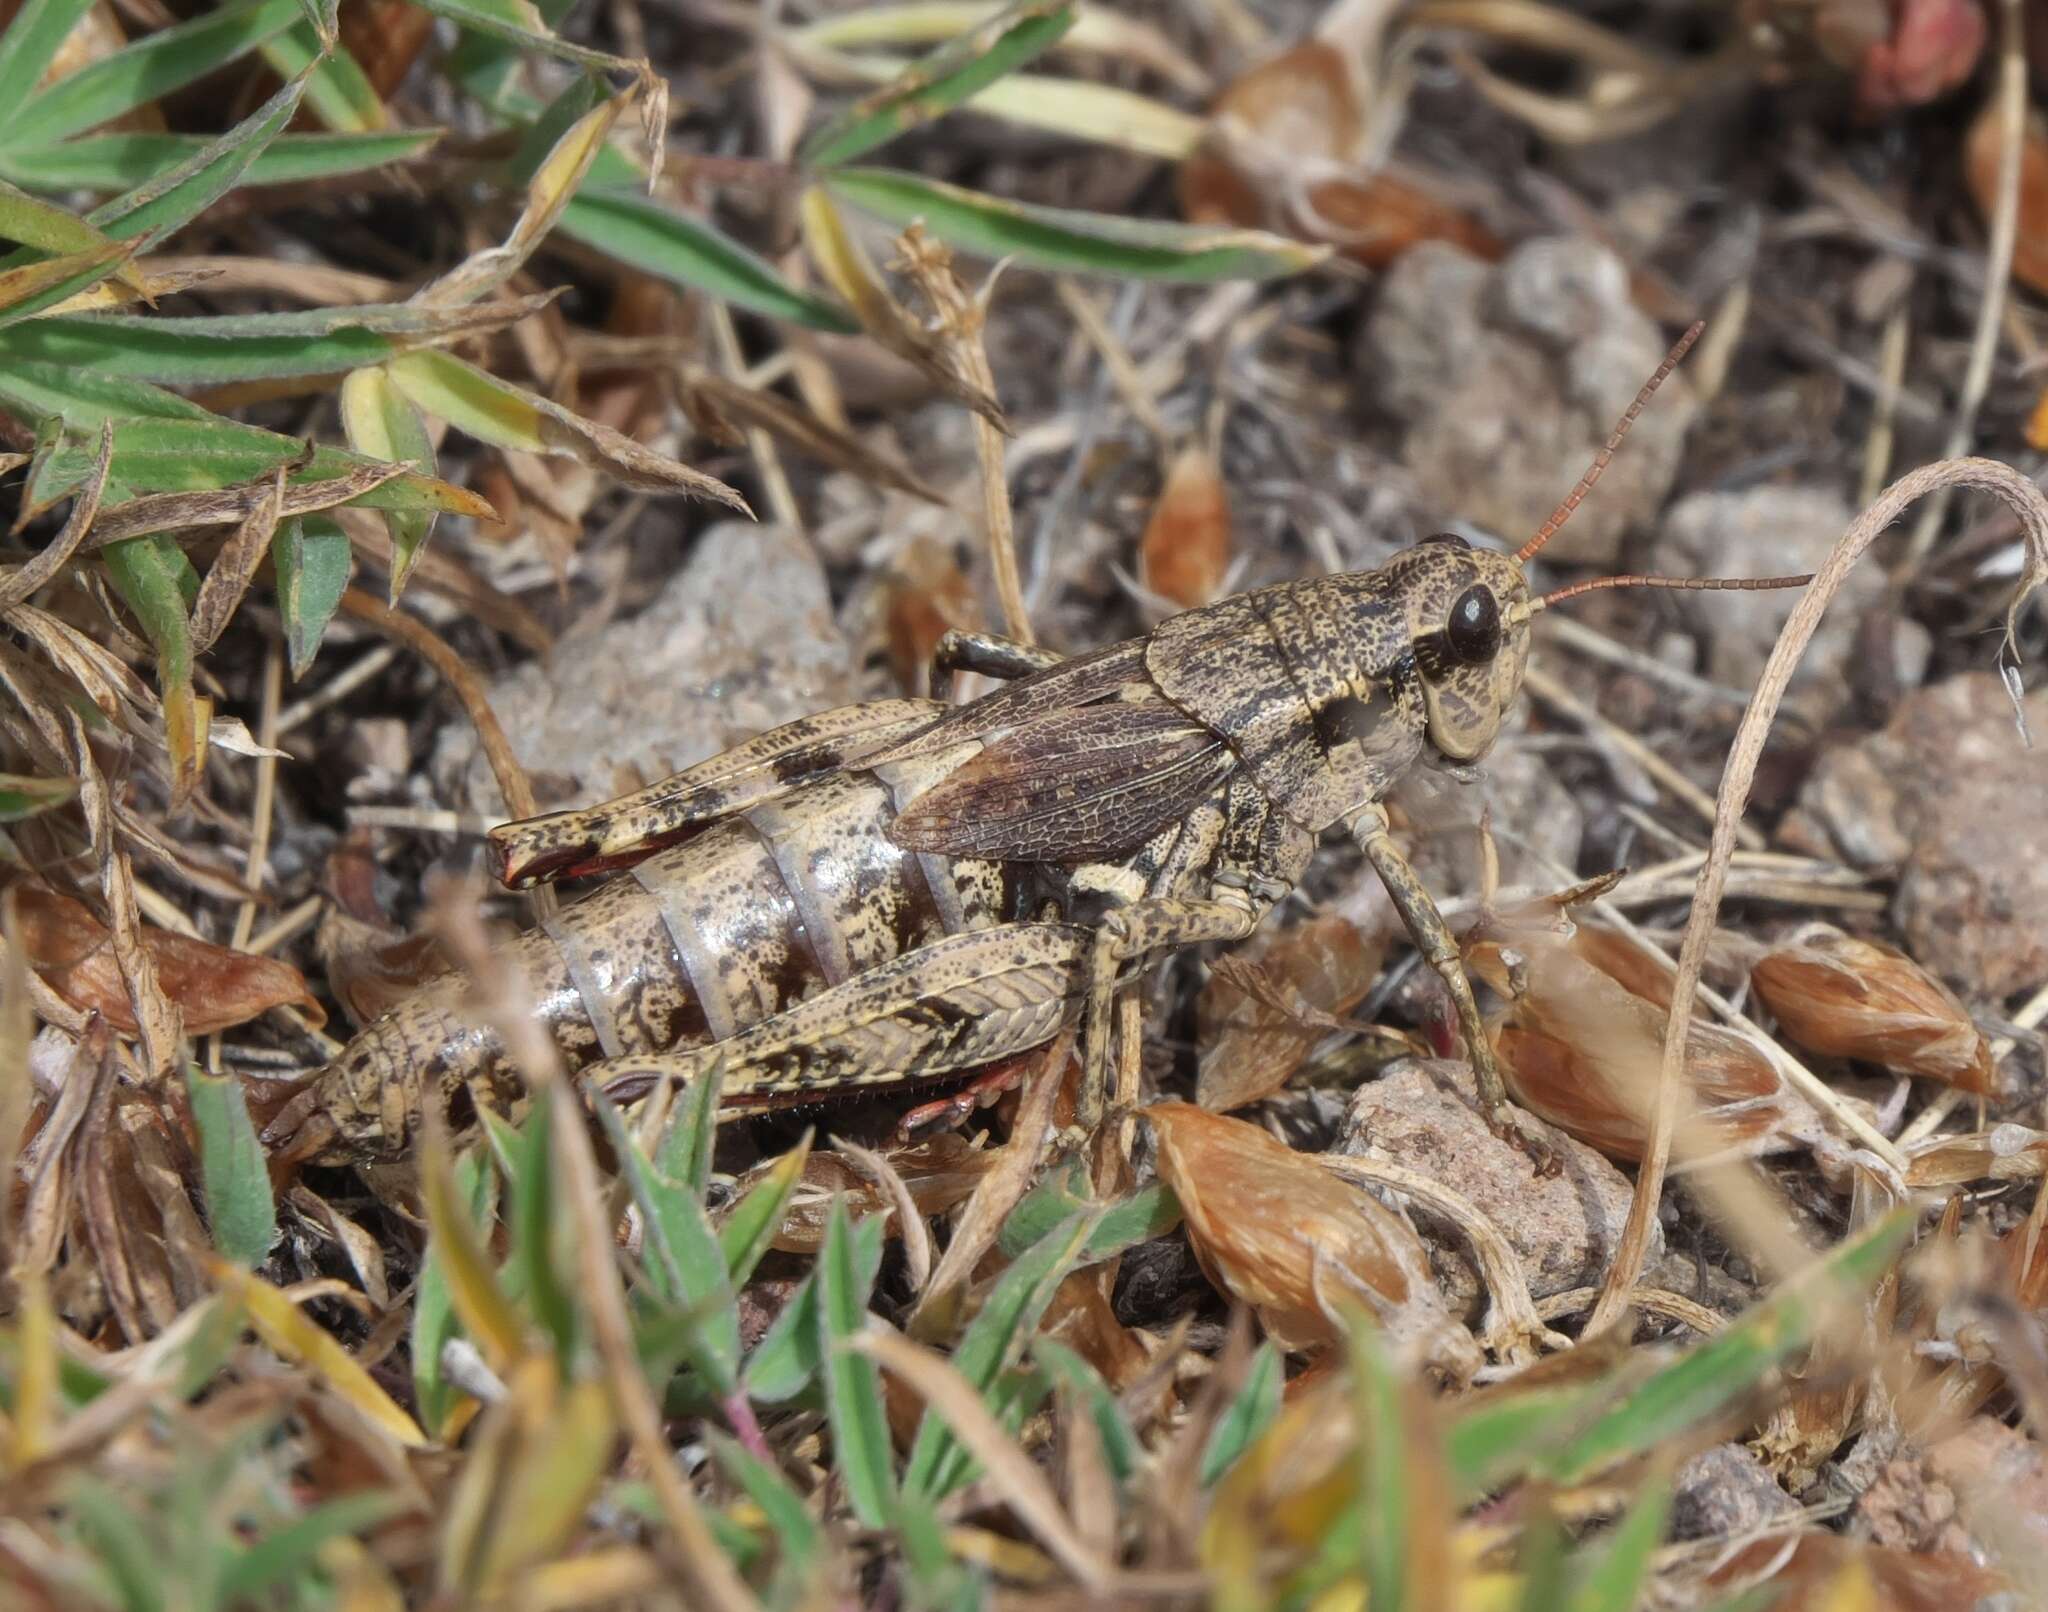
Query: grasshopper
(904, 890)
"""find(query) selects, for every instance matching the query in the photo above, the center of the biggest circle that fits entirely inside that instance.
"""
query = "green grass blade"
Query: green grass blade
(169, 201)
(853, 1383)
(166, 443)
(1383, 1495)
(748, 1231)
(46, 226)
(313, 561)
(340, 94)
(155, 65)
(644, 234)
(685, 1264)
(684, 1155)
(540, 1227)
(23, 796)
(1073, 1375)
(560, 115)
(30, 43)
(786, 1360)
(290, 1553)
(1151, 1212)
(1247, 1415)
(1618, 1579)
(219, 349)
(799, 1540)
(521, 23)
(1509, 1430)
(994, 1341)
(120, 161)
(1067, 241)
(943, 79)
(383, 423)
(231, 1164)
(1713, 1375)
(132, 1558)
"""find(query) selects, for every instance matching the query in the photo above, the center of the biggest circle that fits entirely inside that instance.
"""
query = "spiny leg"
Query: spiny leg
(990, 654)
(957, 1004)
(1432, 937)
(1132, 932)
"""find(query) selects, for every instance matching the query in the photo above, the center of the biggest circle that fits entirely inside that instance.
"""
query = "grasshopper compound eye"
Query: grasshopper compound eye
(1473, 632)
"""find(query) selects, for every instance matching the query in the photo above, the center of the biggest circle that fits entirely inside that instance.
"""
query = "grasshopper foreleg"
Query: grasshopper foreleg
(1432, 937)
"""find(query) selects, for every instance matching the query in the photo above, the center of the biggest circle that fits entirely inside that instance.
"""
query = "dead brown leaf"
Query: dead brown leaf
(214, 988)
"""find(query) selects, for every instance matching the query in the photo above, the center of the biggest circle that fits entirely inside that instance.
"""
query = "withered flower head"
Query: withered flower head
(1583, 1050)
(1849, 998)
(1275, 1229)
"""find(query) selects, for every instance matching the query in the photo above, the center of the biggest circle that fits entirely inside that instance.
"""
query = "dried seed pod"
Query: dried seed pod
(1584, 1052)
(1981, 160)
(1282, 152)
(1851, 998)
(1274, 1228)
(1186, 547)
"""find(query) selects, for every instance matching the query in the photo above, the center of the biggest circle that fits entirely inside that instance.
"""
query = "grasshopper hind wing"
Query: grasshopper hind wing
(1071, 786)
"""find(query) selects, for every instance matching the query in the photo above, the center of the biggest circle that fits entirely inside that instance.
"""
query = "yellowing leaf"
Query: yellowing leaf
(486, 1314)
(553, 184)
(284, 1327)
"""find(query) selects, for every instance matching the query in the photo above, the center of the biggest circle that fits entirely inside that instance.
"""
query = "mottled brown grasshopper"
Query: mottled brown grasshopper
(902, 890)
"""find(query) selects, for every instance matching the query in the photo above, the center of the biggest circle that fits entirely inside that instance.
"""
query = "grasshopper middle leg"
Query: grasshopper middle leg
(1432, 937)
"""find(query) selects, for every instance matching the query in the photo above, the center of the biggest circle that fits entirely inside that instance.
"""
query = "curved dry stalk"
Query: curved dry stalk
(1513, 1329)
(416, 635)
(2031, 506)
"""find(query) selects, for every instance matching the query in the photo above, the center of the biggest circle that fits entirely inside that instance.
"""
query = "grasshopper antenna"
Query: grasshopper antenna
(1689, 584)
(1563, 512)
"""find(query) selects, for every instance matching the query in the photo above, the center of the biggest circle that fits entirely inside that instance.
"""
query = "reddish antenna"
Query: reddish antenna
(1690, 584)
(1563, 512)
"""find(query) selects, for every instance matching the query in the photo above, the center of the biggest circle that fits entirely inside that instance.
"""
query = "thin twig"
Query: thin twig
(963, 318)
(1551, 692)
(1116, 362)
(2012, 133)
(2031, 506)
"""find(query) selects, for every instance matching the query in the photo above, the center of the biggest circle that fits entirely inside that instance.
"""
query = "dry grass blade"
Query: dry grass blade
(961, 320)
(163, 512)
(916, 1235)
(234, 568)
(22, 584)
(804, 431)
(157, 1021)
(2031, 506)
(981, 1222)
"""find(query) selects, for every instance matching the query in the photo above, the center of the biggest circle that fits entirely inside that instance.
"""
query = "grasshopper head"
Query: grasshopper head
(1469, 609)
(1468, 622)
